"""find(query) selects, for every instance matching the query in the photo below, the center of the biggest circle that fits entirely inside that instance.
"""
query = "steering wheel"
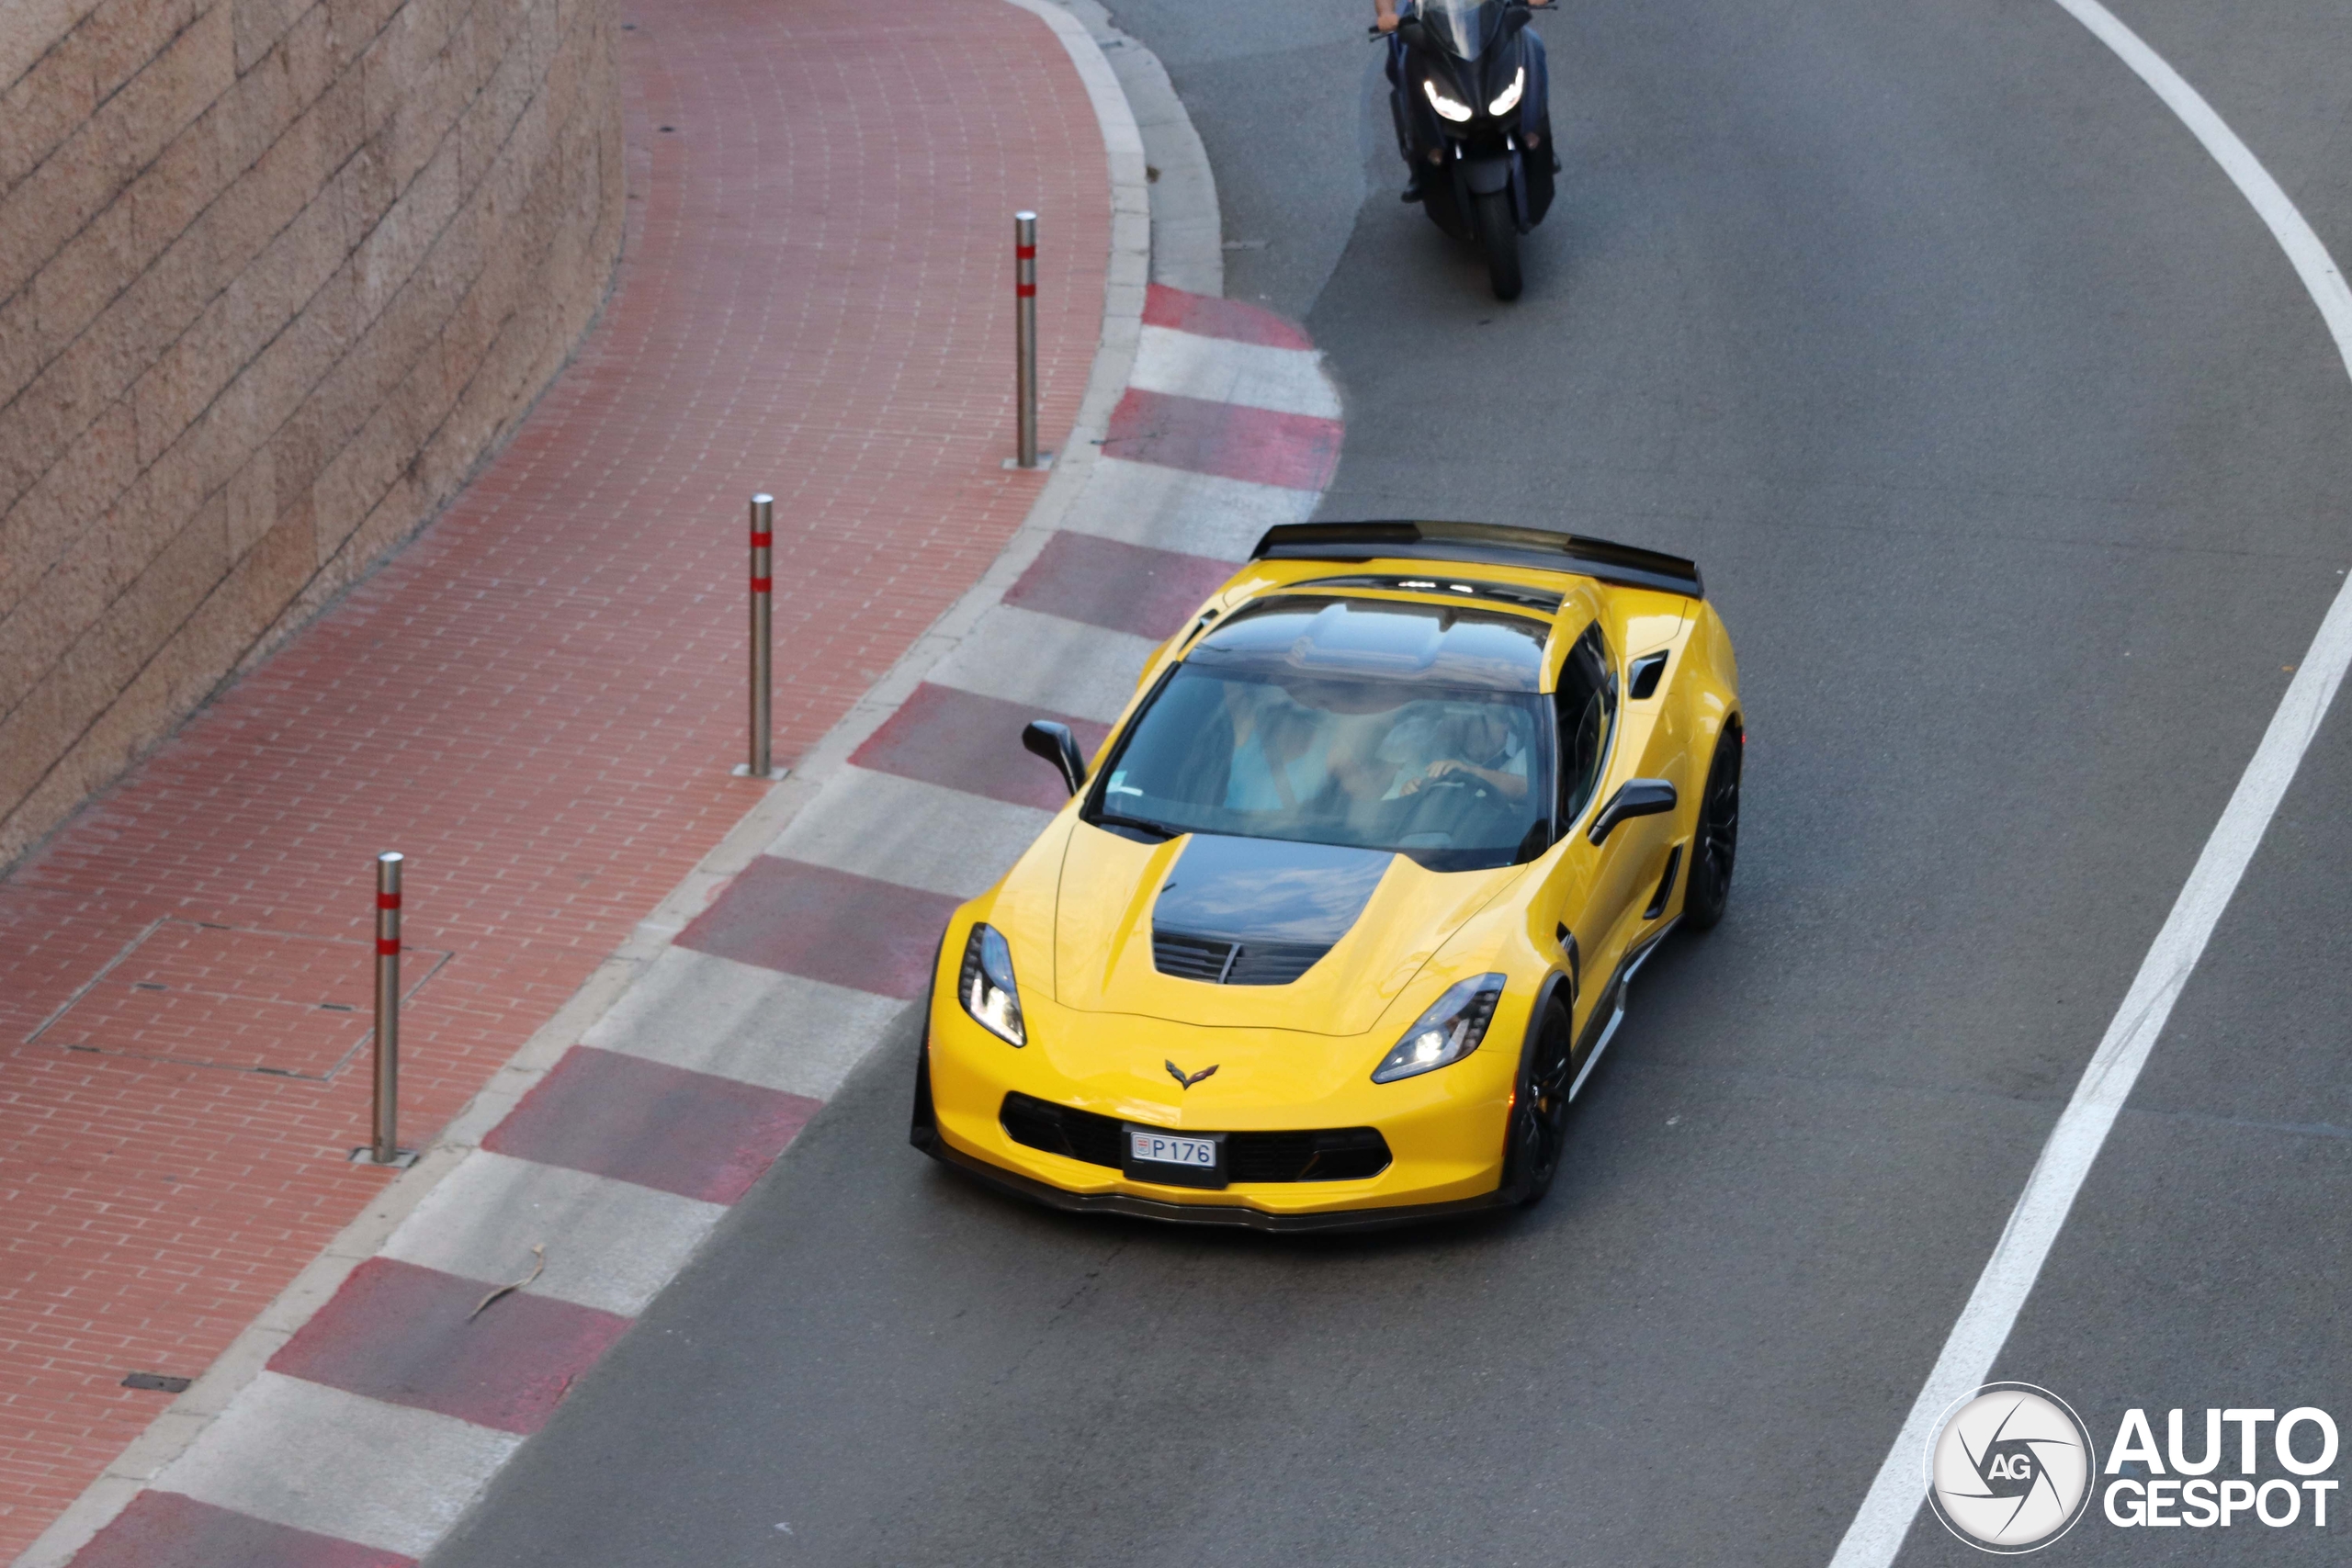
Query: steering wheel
(1451, 781)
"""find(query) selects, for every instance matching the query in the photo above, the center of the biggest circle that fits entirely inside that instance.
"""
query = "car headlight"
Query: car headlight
(986, 986)
(1510, 99)
(1447, 1032)
(1451, 108)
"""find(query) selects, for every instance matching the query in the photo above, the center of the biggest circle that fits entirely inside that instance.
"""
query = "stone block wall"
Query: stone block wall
(274, 277)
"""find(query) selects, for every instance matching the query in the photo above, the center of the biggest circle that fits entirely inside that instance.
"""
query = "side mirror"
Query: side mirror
(1055, 743)
(1514, 19)
(1412, 34)
(1635, 797)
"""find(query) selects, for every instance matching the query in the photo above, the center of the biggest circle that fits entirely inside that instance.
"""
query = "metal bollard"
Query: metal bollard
(763, 631)
(761, 765)
(1025, 291)
(386, 1147)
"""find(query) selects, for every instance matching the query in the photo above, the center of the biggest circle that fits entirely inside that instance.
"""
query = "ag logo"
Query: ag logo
(2010, 1468)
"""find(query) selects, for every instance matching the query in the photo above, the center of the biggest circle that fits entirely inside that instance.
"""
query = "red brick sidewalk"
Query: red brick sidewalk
(539, 700)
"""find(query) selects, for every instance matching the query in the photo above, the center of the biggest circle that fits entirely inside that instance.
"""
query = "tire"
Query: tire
(1498, 232)
(1716, 846)
(1539, 1108)
(922, 1125)
(923, 1122)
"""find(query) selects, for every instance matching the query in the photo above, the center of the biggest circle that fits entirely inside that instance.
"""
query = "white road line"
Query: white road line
(336, 1464)
(1217, 370)
(1877, 1533)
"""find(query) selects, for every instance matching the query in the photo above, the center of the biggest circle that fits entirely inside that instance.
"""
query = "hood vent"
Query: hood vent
(1221, 962)
(1258, 911)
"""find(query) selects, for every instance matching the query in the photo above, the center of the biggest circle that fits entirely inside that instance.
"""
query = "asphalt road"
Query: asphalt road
(2016, 457)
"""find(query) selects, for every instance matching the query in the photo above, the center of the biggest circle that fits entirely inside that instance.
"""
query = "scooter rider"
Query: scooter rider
(1416, 132)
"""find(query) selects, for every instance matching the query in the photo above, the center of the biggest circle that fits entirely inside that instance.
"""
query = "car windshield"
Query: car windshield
(1409, 729)
(1463, 28)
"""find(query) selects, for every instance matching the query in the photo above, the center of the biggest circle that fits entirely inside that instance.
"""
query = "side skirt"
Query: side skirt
(1612, 1012)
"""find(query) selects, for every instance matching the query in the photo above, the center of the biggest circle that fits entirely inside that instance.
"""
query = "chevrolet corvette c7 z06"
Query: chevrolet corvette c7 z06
(1345, 909)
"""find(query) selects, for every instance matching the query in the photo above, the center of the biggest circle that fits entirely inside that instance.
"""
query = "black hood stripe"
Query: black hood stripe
(1267, 890)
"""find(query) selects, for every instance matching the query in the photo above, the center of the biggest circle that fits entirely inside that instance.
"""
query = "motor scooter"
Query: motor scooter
(1469, 97)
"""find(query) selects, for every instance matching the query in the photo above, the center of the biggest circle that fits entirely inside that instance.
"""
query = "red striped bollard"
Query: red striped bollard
(763, 639)
(386, 1148)
(1024, 294)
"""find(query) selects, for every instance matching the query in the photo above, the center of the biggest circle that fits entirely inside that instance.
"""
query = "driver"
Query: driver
(1479, 744)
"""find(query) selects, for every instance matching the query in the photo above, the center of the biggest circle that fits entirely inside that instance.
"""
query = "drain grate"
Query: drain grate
(157, 1382)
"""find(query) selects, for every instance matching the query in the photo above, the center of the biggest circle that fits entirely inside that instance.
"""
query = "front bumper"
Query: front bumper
(1445, 1130)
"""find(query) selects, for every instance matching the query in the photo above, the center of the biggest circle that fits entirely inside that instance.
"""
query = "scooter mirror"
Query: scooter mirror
(1514, 19)
(1411, 34)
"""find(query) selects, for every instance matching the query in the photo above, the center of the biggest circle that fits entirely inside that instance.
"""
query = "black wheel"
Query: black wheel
(1497, 233)
(1538, 1110)
(1717, 842)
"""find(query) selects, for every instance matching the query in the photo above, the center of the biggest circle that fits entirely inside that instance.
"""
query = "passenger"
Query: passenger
(1279, 750)
(1315, 747)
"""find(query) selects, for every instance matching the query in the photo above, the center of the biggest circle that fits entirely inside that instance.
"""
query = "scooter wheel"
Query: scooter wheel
(1498, 240)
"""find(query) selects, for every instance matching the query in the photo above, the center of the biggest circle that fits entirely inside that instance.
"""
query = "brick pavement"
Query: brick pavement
(389, 1402)
(538, 699)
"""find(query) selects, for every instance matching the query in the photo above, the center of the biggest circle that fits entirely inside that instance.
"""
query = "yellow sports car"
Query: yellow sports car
(1344, 912)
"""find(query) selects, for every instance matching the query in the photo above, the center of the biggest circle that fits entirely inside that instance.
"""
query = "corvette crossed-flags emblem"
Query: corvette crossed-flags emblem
(1182, 1081)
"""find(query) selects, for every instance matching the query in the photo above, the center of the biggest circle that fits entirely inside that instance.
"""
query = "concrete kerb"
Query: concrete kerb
(1130, 270)
(1187, 231)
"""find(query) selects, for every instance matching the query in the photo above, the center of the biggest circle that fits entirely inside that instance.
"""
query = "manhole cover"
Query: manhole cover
(225, 997)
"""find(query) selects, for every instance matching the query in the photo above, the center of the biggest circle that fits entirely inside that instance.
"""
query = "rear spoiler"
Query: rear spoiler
(1623, 565)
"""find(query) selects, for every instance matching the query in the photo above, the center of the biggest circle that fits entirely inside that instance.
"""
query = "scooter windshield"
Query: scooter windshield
(1464, 28)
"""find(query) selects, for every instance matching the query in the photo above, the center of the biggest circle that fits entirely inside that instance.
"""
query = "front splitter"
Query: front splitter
(1229, 1216)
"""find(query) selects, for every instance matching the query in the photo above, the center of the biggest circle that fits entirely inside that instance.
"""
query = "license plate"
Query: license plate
(1160, 1148)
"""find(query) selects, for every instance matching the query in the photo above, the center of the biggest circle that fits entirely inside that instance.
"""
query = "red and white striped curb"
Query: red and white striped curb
(361, 1417)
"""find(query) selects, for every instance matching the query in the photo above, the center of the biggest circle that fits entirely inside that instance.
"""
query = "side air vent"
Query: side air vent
(1664, 885)
(1220, 961)
(1645, 673)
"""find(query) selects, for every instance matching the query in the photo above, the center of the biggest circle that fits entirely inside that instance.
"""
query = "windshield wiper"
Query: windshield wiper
(1115, 820)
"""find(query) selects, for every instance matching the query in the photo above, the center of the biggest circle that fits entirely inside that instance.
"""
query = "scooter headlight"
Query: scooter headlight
(1451, 108)
(1511, 94)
